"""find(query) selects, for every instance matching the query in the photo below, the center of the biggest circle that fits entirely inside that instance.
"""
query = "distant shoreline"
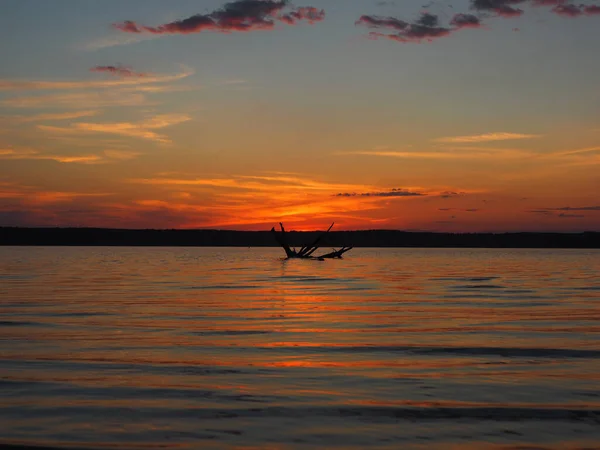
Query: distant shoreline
(228, 238)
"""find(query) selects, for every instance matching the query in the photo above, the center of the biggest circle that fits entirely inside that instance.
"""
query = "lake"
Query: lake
(234, 348)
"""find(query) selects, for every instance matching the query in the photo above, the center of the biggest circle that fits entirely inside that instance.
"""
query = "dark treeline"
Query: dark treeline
(218, 238)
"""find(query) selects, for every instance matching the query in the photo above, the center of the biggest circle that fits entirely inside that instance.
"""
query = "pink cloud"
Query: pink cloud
(238, 15)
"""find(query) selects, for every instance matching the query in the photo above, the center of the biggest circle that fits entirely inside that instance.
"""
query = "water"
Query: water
(235, 349)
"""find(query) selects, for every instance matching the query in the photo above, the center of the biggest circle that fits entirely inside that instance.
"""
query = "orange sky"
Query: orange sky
(308, 121)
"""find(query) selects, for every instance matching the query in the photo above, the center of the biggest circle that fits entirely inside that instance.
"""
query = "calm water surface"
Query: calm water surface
(237, 349)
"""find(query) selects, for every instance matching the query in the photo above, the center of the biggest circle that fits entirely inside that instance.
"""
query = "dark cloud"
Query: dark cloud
(118, 71)
(448, 194)
(428, 20)
(570, 216)
(576, 208)
(564, 212)
(571, 10)
(465, 21)
(567, 10)
(504, 8)
(459, 209)
(240, 15)
(548, 2)
(591, 9)
(425, 28)
(428, 27)
(507, 8)
(382, 22)
(308, 13)
(392, 193)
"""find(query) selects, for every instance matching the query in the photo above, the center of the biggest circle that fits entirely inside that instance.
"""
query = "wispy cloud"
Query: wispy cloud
(235, 16)
(122, 155)
(51, 116)
(575, 208)
(115, 40)
(475, 153)
(566, 212)
(106, 157)
(393, 193)
(34, 154)
(487, 137)
(255, 183)
(579, 151)
(118, 70)
(19, 85)
(142, 130)
(31, 195)
(93, 99)
(472, 210)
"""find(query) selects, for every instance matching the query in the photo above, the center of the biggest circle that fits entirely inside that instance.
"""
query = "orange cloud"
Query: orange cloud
(107, 156)
(142, 130)
(93, 99)
(52, 116)
(487, 137)
(34, 154)
(448, 154)
(18, 85)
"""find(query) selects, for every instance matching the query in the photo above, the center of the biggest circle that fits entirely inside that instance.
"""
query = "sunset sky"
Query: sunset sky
(470, 115)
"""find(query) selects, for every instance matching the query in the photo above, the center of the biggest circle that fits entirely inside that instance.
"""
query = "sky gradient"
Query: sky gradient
(471, 115)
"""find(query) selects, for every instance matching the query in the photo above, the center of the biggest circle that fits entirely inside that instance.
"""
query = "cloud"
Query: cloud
(267, 183)
(570, 216)
(567, 10)
(93, 99)
(565, 212)
(382, 22)
(308, 13)
(591, 10)
(142, 130)
(122, 155)
(51, 116)
(115, 40)
(239, 15)
(578, 151)
(17, 85)
(459, 209)
(428, 26)
(425, 28)
(34, 154)
(118, 71)
(575, 208)
(450, 153)
(392, 193)
(30, 154)
(504, 8)
(488, 137)
(465, 21)
(450, 194)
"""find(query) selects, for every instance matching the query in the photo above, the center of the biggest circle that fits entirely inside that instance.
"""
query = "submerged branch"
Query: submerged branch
(306, 251)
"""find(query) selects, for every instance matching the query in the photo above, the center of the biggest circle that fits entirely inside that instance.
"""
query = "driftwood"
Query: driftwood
(306, 251)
